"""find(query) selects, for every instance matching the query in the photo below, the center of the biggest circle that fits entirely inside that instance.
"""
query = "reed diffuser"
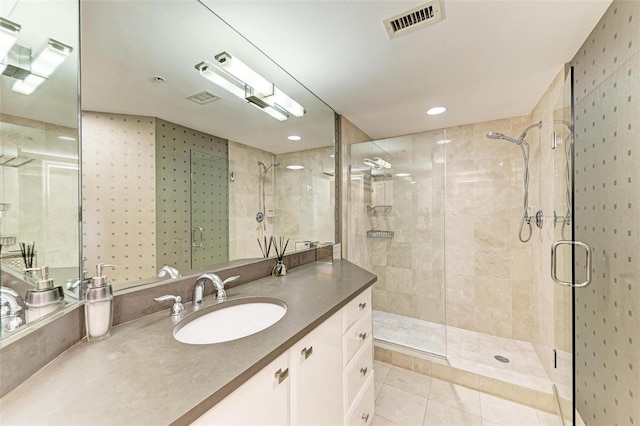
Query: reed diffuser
(28, 254)
(280, 247)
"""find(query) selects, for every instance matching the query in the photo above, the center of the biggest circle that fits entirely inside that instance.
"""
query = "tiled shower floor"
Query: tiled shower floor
(466, 350)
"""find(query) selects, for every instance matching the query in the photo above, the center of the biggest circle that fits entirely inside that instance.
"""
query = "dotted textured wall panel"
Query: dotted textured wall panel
(173, 154)
(607, 217)
(118, 194)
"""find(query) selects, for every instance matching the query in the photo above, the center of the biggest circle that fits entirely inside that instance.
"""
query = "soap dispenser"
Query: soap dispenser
(45, 298)
(98, 309)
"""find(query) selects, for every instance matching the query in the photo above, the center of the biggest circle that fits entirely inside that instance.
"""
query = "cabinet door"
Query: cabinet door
(263, 400)
(316, 371)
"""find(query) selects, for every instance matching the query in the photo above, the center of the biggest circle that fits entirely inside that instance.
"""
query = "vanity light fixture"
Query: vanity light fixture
(436, 110)
(30, 72)
(294, 138)
(9, 32)
(295, 167)
(239, 79)
(377, 163)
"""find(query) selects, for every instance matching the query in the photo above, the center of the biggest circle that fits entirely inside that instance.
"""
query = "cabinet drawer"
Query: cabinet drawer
(356, 309)
(358, 372)
(362, 411)
(355, 337)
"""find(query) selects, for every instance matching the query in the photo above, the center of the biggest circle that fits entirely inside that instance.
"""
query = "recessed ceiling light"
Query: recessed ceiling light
(332, 156)
(66, 138)
(443, 141)
(436, 110)
(294, 138)
(295, 167)
(158, 79)
(403, 174)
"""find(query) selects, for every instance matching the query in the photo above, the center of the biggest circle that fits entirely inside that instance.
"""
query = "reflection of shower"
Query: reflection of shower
(568, 155)
(524, 146)
(262, 210)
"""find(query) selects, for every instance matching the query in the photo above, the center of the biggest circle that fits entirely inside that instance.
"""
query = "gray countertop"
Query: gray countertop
(142, 375)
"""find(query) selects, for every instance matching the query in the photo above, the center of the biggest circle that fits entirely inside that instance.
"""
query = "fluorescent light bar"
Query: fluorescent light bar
(220, 78)
(28, 85)
(49, 58)
(275, 113)
(242, 72)
(9, 32)
(279, 98)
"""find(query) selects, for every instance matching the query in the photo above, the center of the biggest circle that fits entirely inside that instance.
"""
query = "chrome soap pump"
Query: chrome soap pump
(98, 309)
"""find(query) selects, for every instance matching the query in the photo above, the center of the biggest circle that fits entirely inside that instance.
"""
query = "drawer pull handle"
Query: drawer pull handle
(363, 370)
(307, 352)
(363, 336)
(362, 305)
(282, 375)
(365, 417)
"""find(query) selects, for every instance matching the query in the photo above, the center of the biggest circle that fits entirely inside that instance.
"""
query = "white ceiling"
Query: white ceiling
(485, 60)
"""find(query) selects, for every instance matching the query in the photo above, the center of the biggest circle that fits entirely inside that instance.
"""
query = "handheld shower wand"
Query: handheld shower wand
(524, 147)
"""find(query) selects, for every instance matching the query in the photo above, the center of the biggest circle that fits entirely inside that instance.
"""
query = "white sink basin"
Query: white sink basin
(230, 320)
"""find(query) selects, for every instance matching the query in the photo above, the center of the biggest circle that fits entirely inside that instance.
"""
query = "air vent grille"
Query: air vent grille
(413, 19)
(204, 97)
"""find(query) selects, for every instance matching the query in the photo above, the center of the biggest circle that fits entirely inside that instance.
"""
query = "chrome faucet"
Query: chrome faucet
(198, 289)
(171, 270)
(11, 309)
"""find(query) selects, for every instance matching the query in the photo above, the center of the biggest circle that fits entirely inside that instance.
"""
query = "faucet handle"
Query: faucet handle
(230, 279)
(177, 308)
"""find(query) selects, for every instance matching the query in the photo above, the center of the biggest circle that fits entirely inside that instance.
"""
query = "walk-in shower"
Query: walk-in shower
(262, 209)
(524, 147)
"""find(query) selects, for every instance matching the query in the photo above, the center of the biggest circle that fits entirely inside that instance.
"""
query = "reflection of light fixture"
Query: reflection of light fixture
(294, 138)
(234, 76)
(436, 110)
(295, 167)
(443, 141)
(377, 163)
(9, 32)
(66, 138)
(403, 174)
(29, 72)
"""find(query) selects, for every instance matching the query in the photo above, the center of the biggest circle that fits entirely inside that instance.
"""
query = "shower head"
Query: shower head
(266, 169)
(496, 135)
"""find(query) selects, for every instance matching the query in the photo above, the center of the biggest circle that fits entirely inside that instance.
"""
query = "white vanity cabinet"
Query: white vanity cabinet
(357, 346)
(262, 400)
(325, 379)
(316, 371)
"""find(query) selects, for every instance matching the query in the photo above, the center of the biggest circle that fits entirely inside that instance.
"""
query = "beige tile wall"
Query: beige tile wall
(118, 194)
(42, 195)
(244, 200)
(305, 199)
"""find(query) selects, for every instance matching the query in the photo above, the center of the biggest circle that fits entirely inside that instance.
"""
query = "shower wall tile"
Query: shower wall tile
(118, 194)
(245, 202)
(305, 199)
(607, 212)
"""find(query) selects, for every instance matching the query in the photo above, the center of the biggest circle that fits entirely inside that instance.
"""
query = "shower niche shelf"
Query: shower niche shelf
(377, 234)
(379, 209)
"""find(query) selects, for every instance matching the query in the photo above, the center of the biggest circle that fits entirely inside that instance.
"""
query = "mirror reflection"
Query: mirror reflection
(193, 147)
(39, 247)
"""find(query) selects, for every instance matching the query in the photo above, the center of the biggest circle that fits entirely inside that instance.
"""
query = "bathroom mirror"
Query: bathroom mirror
(176, 169)
(39, 189)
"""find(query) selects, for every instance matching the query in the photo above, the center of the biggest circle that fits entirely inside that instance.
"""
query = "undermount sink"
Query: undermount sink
(229, 320)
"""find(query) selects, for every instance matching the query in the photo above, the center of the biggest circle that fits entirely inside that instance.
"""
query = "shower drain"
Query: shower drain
(501, 358)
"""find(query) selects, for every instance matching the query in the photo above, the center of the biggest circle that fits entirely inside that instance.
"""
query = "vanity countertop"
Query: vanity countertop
(142, 375)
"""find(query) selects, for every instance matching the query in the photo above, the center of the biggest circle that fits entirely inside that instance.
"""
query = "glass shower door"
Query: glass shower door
(209, 210)
(562, 257)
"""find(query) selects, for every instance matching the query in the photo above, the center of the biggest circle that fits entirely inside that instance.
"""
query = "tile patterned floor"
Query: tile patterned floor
(407, 398)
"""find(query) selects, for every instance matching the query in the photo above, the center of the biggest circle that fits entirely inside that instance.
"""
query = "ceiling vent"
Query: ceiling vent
(414, 19)
(204, 97)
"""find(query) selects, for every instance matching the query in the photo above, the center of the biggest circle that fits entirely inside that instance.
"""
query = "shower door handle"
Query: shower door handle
(193, 236)
(554, 263)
